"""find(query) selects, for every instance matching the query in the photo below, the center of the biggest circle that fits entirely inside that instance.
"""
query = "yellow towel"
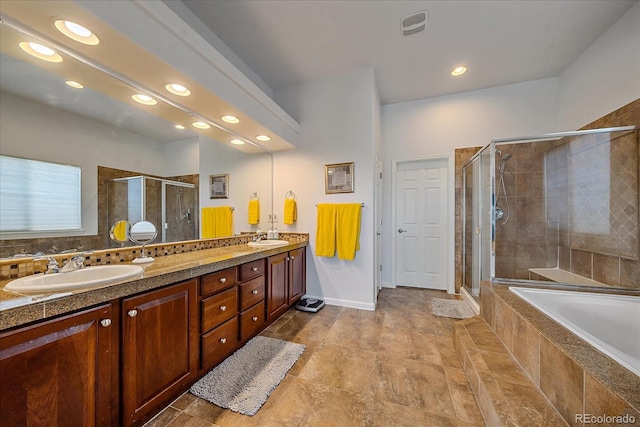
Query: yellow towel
(290, 211)
(326, 230)
(254, 211)
(348, 230)
(217, 222)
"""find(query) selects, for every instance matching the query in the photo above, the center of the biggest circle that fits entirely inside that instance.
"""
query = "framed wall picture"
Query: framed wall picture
(219, 186)
(338, 178)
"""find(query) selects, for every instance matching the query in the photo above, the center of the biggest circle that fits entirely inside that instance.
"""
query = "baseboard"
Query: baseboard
(388, 285)
(369, 306)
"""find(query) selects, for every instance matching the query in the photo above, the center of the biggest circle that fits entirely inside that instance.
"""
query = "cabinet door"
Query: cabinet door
(58, 372)
(159, 353)
(297, 275)
(277, 292)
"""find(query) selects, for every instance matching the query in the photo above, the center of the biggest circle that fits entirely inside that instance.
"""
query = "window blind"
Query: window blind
(39, 196)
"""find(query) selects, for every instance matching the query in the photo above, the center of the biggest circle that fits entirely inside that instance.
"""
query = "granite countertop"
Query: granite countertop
(19, 309)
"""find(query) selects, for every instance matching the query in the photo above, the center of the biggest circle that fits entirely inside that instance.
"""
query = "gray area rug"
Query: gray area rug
(456, 309)
(245, 379)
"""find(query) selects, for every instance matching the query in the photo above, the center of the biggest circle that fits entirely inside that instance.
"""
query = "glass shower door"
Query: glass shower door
(179, 213)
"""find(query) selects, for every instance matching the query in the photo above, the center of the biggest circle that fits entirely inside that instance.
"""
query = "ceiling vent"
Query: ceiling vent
(414, 23)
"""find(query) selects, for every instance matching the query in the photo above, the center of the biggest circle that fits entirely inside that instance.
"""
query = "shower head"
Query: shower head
(505, 157)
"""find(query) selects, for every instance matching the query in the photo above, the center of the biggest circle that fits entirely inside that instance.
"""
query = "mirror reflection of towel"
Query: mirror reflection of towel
(217, 222)
(254, 211)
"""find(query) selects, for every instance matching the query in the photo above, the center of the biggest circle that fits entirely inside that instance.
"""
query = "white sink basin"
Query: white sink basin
(83, 278)
(268, 243)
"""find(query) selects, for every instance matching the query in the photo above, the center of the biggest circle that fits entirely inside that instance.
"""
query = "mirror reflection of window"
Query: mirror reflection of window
(38, 196)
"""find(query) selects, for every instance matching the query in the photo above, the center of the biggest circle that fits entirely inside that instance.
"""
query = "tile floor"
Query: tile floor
(396, 366)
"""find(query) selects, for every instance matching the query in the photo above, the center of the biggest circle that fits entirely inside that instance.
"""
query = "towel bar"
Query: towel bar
(338, 203)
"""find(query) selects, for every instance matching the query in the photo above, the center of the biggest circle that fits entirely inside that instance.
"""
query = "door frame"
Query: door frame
(450, 229)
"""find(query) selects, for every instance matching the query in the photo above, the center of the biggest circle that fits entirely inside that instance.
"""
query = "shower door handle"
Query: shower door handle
(400, 230)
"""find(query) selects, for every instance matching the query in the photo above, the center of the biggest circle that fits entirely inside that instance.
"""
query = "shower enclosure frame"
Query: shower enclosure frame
(163, 194)
(490, 249)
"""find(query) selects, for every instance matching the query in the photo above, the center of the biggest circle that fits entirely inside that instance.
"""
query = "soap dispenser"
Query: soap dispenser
(276, 235)
(270, 234)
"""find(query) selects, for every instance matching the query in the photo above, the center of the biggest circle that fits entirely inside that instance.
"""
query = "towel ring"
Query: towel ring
(290, 193)
(253, 196)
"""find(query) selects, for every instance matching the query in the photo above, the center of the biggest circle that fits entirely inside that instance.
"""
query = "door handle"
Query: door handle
(400, 230)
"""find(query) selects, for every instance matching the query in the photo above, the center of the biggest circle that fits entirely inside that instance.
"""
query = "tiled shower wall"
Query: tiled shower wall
(539, 232)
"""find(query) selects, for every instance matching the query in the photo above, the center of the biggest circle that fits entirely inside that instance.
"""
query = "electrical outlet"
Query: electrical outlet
(275, 218)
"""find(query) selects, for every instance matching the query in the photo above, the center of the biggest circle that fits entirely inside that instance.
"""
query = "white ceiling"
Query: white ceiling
(501, 42)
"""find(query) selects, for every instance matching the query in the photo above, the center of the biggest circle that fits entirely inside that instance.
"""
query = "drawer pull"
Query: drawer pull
(254, 268)
(223, 340)
(255, 292)
(105, 322)
(254, 318)
(132, 313)
(223, 280)
(223, 308)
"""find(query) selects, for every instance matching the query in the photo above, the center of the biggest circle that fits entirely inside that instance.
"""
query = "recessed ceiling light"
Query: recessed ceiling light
(458, 71)
(179, 127)
(237, 141)
(76, 32)
(74, 84)
(230, 119)
(264, 138)
(177, 89)
(200, 125)
(40, 51)
(144, 99)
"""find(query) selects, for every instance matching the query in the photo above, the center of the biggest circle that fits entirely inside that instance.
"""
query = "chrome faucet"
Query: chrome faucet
(52, 265)
(259, 236)
(75, 263)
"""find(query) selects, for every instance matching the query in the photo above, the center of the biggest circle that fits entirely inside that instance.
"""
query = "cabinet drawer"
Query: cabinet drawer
(219, 343)
(217, 281)
(251, 292)
(219, 308)
(251, 321)
(251, 270)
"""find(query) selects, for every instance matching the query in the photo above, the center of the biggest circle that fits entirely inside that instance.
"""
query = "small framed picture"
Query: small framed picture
(219, 186)
(338, 178)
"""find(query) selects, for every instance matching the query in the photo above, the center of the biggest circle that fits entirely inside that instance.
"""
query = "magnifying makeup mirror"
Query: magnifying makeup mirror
(143, 233)
(120, 232)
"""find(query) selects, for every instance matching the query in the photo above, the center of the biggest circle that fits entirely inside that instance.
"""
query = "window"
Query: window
(39, 196)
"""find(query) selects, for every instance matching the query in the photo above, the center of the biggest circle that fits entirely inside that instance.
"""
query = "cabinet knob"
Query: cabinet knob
(254, 318)
(287, 258)
(132, 313)
(223, 340)
(254, 269)
(255, 292)
(223, 279)
(105, 322)
(292, 257)
(223, 307)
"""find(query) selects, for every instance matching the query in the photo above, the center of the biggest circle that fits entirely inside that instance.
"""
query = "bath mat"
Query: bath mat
(244, 381)
(456, 309)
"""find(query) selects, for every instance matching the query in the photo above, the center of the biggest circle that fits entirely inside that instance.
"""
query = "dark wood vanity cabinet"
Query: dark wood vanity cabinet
(286, 281)
(61, 371)
(232, 310)
(159, 348)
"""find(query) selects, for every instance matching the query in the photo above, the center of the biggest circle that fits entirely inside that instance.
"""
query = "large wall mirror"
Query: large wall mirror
(112, 139)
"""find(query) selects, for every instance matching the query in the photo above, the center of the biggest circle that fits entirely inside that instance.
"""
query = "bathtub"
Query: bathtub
(610, 323)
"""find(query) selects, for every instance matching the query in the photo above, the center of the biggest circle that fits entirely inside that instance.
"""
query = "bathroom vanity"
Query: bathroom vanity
(118, 354)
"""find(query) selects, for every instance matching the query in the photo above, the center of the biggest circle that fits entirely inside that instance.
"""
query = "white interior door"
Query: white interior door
(421, 224)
